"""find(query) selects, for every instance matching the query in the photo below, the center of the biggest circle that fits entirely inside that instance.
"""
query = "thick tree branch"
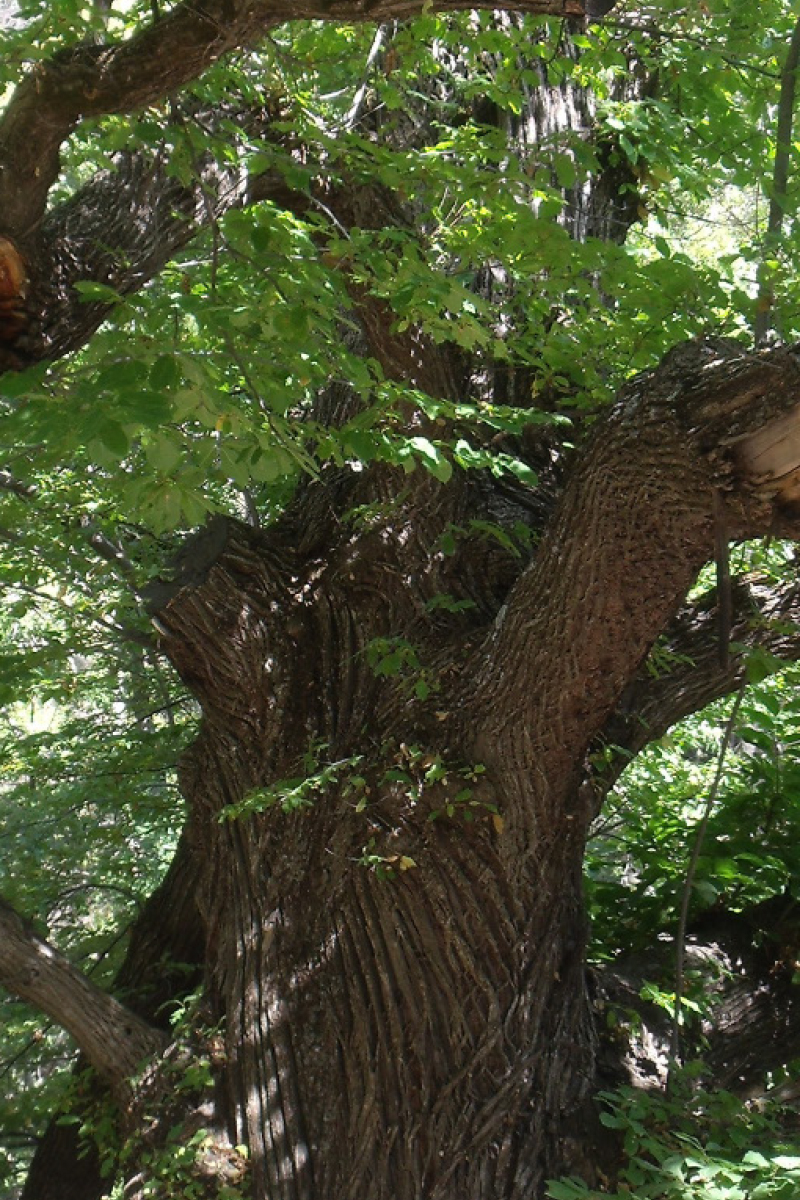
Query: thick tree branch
(121, 229)
(92, 81)
(124, 225)
(745, 962)
(691, 676)
(634, 526)
(163, 962)
(114, 1040)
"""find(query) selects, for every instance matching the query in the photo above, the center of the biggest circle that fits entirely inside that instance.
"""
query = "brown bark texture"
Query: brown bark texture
(380, 883)
(118, 1041)
(176, 48)
(434, 982)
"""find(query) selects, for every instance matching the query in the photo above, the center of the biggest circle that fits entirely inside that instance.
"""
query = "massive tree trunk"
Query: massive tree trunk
(380, 877)
(402, 988)
(400, 1015)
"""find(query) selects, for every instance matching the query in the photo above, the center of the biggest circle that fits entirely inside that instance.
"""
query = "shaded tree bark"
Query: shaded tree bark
(478, 1081)
(402, 990)
(744, 961)
(164, 960)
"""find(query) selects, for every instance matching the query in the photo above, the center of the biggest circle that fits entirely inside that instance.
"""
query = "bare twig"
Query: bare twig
(358, 99)
(765, 305)
(680, 941)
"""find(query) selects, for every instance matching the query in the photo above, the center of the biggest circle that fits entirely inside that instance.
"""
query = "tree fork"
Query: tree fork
(358, 988)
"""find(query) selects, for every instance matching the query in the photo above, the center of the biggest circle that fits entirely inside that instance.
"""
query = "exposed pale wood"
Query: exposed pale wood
(769, 458)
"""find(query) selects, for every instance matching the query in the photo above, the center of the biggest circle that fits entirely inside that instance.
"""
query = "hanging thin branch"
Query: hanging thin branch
(680, 941)
(765, 305)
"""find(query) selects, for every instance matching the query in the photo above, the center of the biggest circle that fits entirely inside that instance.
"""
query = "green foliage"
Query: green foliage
(297, 794)
(695, 1145)
(410, 771)
(163, 1148)
(395, 656)
(199, 395)
(637, 863)
(199, 391)
(384, 866)
(91, 724)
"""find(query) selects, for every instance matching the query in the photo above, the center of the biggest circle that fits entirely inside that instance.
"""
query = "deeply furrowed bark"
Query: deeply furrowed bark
(397, 959)
(435, 1005)
(403, 996)
(444, 1005)
(427, 1033)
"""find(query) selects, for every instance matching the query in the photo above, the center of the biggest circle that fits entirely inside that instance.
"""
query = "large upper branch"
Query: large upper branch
(114, 1039)
(121, 229)
(635, 524)
(92, 80)
(124, 225)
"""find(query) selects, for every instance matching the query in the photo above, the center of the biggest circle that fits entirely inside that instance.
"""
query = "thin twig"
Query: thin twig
(673, 35)
(126, 632)
(765, 304)
(680, 947)
(358, 99)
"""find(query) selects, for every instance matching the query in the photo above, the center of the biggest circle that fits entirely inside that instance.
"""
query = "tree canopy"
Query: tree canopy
(398, 493)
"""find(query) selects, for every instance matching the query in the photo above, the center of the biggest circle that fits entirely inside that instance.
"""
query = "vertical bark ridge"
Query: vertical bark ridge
(410, 1013)
(260, 1046)
(556, 663)
(422, 999)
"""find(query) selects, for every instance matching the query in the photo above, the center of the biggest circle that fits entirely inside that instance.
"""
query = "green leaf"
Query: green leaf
(760, 664)
(433, 458)
(112, 436)
(165, 373)
(91, 291)
(164, 453)
(565, 170)
(561, 1189)
(145, 407)
(121, 375)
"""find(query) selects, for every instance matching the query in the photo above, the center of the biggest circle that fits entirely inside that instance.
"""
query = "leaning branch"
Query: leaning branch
(132, 218)
(635, 524)
(765, 304)
(114, 1040)
(687, 675)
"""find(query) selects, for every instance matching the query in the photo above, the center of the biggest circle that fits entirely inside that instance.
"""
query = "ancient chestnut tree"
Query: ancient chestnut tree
(353, 293)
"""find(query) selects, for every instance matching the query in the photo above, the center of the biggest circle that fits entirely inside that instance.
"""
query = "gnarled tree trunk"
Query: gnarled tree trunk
(403, 989)
(380, 877)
